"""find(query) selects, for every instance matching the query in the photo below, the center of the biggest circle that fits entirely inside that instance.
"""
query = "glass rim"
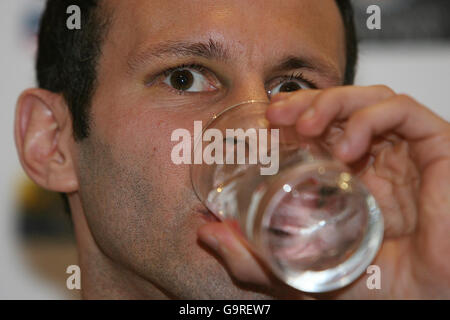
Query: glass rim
(232, 107)
(199, 140)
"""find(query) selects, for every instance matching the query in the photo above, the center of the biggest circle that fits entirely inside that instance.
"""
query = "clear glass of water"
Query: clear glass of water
(315, 224)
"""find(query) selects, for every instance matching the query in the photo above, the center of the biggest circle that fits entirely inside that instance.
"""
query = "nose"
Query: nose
(248, 87)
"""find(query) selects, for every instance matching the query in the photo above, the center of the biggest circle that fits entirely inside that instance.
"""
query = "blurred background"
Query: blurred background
(411, 54)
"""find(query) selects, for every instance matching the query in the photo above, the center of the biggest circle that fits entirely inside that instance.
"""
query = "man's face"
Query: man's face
(141, 208)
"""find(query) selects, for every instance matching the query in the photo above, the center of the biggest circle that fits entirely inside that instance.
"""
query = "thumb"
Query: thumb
(229, 244)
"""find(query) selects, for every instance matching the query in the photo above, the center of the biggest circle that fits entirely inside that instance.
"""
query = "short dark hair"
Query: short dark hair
(67, 59)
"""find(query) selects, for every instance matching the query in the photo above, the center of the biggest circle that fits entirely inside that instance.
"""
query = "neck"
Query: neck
(101, 277)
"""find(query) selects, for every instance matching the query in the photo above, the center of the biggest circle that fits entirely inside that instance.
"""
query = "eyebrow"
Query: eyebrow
(214, 50)
(211, 49)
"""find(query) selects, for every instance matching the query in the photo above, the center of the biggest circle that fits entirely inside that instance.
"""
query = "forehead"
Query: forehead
(249, 29)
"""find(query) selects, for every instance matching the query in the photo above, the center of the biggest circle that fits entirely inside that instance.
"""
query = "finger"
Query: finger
(230, 246)
(402, 115)
(286, 107)
(338, 104)
(280, 96)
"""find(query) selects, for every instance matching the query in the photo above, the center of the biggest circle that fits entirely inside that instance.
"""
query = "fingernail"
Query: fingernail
(308, 114)
(211, 242)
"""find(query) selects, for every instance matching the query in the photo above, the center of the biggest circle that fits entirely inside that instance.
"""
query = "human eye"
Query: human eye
(290, 83)
(189, 78)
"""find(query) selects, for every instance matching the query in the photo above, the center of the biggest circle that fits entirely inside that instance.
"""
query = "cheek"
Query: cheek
(139, 142)
(132, 125)
(130, 200)
(143, 148)
(140, 196)
(146, 145)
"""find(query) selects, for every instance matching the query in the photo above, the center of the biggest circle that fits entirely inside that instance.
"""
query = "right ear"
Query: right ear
(44, 140)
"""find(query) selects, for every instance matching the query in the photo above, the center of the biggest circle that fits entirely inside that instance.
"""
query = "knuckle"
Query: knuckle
(384, 90)
(403, 98)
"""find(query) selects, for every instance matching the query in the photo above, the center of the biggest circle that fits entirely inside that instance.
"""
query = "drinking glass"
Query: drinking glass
(302, 211)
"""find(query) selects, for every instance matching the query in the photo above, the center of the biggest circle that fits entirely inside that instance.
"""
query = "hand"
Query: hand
(401, 151)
